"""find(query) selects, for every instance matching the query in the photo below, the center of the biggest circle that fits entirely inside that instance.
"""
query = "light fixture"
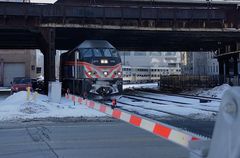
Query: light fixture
(105, 73)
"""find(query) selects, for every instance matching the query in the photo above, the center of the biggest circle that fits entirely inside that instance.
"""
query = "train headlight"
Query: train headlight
(90, 73)
(119, 73)
(105, 73)
(104, 61)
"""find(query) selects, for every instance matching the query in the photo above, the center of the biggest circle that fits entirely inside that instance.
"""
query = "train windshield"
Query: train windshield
(88, 53)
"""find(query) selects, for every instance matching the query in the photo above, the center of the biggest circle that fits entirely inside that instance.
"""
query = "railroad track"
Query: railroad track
(198, 126)
(162, 102)
(179, 95)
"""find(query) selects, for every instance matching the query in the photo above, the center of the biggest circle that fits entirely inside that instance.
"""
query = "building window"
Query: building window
(126, 53)
(140, 53)
(38, 70)
(172, 64)
(156, 53)
(170, 53)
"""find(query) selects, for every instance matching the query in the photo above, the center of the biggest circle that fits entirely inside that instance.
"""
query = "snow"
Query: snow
(166, 105)
(216, 92)
(141, 85)
(17, 107)
(2, 97)
(181, 102)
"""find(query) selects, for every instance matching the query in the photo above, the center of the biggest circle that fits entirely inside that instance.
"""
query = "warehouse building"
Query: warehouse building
(16, 63)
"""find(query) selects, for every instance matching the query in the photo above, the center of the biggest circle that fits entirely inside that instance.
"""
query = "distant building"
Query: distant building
(213, 66)
(169, 61)
(40, 63)
(199, 63)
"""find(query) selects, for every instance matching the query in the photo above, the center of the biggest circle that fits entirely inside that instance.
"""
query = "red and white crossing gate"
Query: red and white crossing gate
(229, 116)
(159, 129)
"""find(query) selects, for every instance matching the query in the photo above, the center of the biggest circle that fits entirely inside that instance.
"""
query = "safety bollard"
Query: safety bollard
(28, 93)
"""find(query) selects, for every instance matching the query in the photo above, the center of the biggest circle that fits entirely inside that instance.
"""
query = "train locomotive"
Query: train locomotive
(92, 70)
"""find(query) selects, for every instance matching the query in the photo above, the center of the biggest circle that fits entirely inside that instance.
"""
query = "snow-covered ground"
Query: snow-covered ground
(17, 107)
(141, 85)
(216, 92)
(167, 105)
(2, 97)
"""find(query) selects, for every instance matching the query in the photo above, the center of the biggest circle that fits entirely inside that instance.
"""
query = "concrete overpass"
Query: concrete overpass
(173, 26)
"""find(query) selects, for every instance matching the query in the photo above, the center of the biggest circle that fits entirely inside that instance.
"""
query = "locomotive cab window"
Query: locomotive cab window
(97, 53)
(107, 53)
(87, 53)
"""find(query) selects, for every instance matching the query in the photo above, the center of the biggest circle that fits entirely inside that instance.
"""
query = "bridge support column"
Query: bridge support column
(221, 71)
(235, 69)
(48, 49)
(226, 68)
(1, 72)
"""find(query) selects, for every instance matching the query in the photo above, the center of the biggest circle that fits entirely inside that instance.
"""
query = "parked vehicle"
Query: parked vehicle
(20, 84)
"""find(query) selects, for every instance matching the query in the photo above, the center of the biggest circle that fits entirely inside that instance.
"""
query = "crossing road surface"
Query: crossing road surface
(84, 140)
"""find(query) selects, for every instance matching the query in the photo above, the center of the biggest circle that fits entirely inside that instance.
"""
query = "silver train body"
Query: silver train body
(147, 74)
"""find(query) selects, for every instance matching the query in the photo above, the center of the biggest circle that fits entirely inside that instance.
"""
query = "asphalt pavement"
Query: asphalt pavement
(95, 139)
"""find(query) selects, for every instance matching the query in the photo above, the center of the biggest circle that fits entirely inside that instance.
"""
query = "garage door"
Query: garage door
(12, 70)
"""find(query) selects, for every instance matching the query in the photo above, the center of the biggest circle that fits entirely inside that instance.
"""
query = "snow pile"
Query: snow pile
(141, 85)
(19, 98)
(216, 92)
(17, 106)
(32, 108)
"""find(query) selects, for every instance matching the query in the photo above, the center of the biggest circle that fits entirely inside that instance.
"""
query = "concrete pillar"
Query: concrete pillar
(1, 72)
(237, 46)
(47, 42)
(226, 61)
(235, 65)
(221, 70)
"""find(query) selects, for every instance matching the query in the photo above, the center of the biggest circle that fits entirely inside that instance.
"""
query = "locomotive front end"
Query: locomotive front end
(92, 70)
(102, 70)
